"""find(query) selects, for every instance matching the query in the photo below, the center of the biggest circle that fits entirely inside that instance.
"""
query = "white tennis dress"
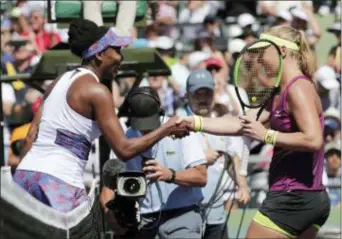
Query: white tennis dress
(64, 138)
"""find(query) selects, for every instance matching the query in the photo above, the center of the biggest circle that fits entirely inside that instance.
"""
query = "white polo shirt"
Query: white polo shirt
(179, 154)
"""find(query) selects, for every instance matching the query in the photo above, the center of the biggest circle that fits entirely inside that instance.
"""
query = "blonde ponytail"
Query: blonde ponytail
(307, 59)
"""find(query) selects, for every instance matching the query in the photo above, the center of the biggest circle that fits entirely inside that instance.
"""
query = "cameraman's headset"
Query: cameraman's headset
(148, 91)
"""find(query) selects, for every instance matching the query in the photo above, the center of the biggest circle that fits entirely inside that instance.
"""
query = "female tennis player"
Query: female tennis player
(76, 110)
(297, 204)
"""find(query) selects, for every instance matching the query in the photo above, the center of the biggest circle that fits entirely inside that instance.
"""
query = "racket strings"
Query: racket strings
(257, 72)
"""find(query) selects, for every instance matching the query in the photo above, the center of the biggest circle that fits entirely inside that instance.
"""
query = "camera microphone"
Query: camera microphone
(111, 169)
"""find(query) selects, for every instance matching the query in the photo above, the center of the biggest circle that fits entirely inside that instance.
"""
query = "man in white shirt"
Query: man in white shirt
(200, 95)
(175, 170)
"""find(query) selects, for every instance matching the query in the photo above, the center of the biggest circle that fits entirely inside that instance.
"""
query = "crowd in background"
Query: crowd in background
(189, 35)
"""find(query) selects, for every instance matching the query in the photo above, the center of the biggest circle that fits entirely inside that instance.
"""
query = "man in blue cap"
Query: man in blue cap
(200, 95)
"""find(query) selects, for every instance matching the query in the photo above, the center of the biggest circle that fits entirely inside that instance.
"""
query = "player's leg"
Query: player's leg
(323, 205)
(263, 227)
(309, 233)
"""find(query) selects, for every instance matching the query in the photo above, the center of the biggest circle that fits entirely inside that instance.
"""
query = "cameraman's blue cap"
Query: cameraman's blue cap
(200, 78)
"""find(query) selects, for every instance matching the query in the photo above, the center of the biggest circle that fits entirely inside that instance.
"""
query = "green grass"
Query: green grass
(327, 40)
(334, 220)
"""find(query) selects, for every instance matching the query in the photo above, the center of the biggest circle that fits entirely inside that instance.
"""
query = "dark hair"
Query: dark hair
(333, 50)
(82, 34)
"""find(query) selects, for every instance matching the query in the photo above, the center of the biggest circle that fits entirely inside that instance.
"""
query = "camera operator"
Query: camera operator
(200, 88)
(175, 170)
(111, 203)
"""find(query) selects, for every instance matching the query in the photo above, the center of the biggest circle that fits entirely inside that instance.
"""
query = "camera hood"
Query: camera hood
(131, 184)
(131, 174)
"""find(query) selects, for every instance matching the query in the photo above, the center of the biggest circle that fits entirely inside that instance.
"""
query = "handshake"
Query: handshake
(179, 127)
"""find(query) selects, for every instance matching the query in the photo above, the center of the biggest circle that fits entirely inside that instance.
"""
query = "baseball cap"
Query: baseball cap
(197, 57)
(162, 42)
(333, 145)
(213, 62)
(326, 76)
(300, 14)
(236, 45)
(334, 28)
(144, 105)
(200, 78)
(332, 112)
(284, 14)
(234, 31)
(332, 119)
(245, 19)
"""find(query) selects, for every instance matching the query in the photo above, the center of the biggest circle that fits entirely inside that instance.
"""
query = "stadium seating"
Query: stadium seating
(67, 10)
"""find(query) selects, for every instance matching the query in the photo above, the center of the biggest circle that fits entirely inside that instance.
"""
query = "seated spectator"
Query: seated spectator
(195, 12)
(180, 71)
(211, 25)
(235, 46)
(205, 43)
(247, 22)
(283, 17)
(165, 93)
(5, 35)
(40, 38)
(166, 13)
(270, 8)
(333, 157)
(332, 125)
(18, 136)
(336, 30)
(224, 92)
(248, 35)
(302, 17)
(196, 60)
(19, 61)
(327, 86)
(17, 142)
(331, 57)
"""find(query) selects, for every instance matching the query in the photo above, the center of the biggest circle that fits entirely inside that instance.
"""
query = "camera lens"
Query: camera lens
(131, 186)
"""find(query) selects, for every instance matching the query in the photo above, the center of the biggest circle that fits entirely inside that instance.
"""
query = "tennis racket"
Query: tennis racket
(258, 72)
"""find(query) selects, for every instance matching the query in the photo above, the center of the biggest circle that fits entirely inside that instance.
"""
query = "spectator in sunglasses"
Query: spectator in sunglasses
(333, 158)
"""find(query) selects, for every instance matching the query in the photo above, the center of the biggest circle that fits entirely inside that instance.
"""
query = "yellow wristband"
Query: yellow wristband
(270, 137)
(201, 124)
(197, 123)
(274, 138)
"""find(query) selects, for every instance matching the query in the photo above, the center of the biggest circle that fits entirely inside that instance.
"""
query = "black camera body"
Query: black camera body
(126, 211)
(130, 186)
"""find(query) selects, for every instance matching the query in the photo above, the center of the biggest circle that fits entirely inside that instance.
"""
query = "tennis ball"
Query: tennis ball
(254, 99)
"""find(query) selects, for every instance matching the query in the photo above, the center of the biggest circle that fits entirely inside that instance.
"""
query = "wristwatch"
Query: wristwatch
(173, 176)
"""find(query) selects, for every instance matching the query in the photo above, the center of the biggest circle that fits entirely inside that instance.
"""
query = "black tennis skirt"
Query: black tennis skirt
(296, 211)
